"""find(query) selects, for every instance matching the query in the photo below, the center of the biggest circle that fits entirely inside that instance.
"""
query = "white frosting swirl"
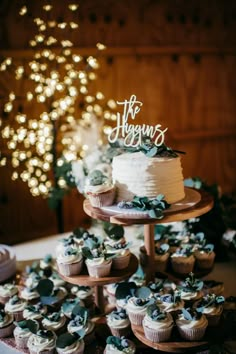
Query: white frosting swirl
(88, 327)
(111, 349)
(8, 319)
(19, 306)
(38, 344)
(97, 261)
(78, 346)
(186, 324)
(30, 315)
(22, 332)
(69, 259)
(54, 325)
(27, 294)
(101, 188)
(188, 295)
(121, 323)
(8, 290)
(159, 324)
(168, 307)
(132, 307)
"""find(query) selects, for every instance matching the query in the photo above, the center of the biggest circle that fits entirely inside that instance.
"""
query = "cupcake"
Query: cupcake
(65, 243)
(70, 262)
(6, 323)
(191, 324)
(7, 291)
(29, 294)
(119, 323)
(211, 306)
(16, 306)
(123, 292)
(182, 260)
(205, 256)
(137, 305)
(68, 343)
(55, 322)
(171, 303)
(99, 190)
(84, 293)
(110, 291)
(97, 261)
(69, 304)
(34, 312)
(117, 345)
(21, 334)
(191, 289)
(161, 257)
(157, 324)
(42, 342)
(121, 254)
(80, 322)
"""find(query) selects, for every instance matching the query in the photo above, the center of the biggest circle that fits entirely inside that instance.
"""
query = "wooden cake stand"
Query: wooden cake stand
(115, 276)
(204, 205)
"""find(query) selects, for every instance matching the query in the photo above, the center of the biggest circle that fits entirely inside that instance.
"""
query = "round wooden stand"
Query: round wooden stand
(203, 206)
(115, 276)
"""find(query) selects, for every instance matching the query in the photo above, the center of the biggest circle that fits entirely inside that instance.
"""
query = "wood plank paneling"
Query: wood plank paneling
(178, 58)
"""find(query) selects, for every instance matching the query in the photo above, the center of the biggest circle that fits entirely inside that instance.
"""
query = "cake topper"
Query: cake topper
(131, 133)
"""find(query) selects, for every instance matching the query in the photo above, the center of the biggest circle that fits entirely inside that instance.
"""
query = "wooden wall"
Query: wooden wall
(177, 57)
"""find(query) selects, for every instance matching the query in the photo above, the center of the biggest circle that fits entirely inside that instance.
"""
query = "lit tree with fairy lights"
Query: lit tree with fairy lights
(50, 105)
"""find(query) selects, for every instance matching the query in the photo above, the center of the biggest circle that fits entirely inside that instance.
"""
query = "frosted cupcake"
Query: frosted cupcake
(68, 343)
(43, 342)
(110, 291)
(80, 322)
(21, 334)
(161, 257)
(6, 323)
(117, 345)
(182, 260)
(29, 294)
(191, 289)
(121, 254)
(211, 306)
(157, 324)
(55, 322)
(7, 291)
(191, 324)
(70, 262)
(137, 305)
(119, 323)
(205, 256)
(65, 243)
(124, 291)
(99, 190)
(34, 312)
(84, 293)
(16, 306)
(98, 262)
(68, 306)
(171, 303)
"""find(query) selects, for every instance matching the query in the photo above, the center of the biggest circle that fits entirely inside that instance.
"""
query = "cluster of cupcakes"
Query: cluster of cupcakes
(162, 305)
(183, 252)
(97, 253)
(45, 314)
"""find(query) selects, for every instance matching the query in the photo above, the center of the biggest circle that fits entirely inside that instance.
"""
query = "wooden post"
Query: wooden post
(99, 298)
(150, 249)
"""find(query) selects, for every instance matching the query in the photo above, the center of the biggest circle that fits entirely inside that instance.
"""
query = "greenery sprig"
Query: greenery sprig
(68, 339)
(210, 300)
(114, 232)
(162, 249)
(118, 314)
(192, 284)
(96, 178)
(121, 344)
(48, 295)
(154, 207)
(155, 313)
(191, 314)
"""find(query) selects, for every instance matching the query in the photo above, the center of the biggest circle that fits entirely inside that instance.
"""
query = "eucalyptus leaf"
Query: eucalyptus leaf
(32, 325)
(65, 340)
(45, 287)
(143, 293)
(124, 289)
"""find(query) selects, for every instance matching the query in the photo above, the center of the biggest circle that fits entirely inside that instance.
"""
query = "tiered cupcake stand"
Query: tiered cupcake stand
(203, 205)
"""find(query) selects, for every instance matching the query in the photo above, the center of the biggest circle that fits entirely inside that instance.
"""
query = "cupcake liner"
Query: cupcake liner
(99, 271)
(7, 331)
(157, 335)
(21, 342)
(161, 263)
(121, 262)
(120, 332)
(182, 266)
(136, 318)
(191, 334)
(51, 351)
(206, 262)
(18, 316)
(70, 269)
(4, 299)
(102, 199)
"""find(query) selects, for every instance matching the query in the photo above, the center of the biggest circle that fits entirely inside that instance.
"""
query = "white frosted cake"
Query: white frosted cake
(136, 174)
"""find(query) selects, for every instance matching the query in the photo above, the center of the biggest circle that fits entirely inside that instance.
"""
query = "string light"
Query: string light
(58, 85)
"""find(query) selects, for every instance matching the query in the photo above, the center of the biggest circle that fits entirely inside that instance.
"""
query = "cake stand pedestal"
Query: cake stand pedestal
(115, 276)
(204, 205)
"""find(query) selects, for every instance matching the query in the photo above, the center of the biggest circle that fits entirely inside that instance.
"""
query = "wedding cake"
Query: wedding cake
(135, 174)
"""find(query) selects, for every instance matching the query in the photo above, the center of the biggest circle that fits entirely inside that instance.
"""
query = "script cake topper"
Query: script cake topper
(131, 133)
